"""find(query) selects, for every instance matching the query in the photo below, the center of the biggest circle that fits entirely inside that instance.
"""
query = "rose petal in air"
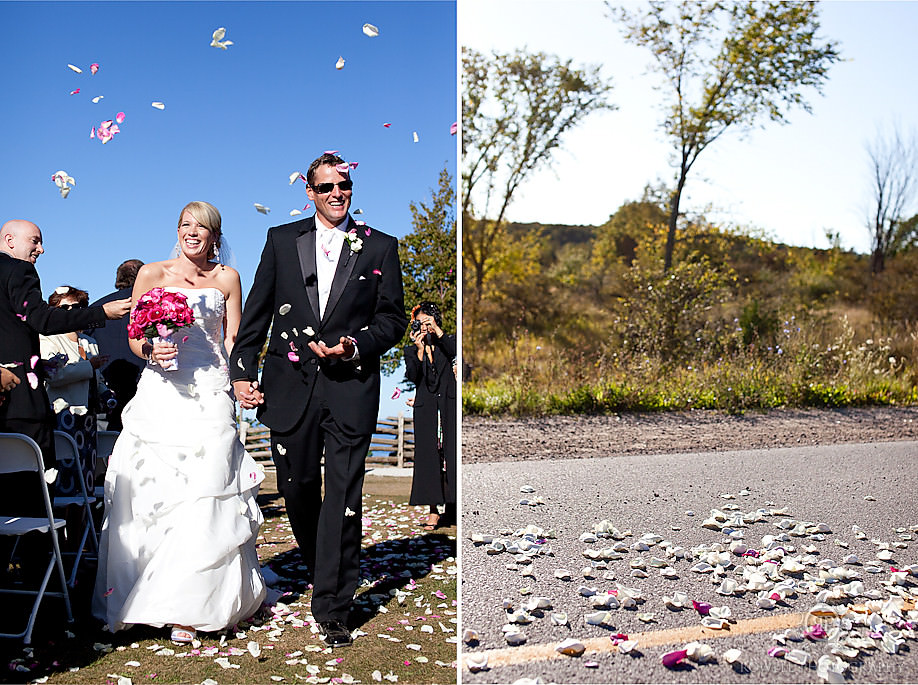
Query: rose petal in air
(92, 133)
(119, 117)
(74, 92)
(341, 168)
(353, 165)
(377, 272)
(414, 135)
(370, 30)
(94, 67)
(96, 99)
(453, 127)
(331, 152)
(108, 592)
(387, 125)
(339, 65)
(367, 231)
(158, 105)
(33, 380)
(295, 212)
(185, 339)
(284, 309)
(74, 68)
(261, 209)
(396, 394)
(33, 360)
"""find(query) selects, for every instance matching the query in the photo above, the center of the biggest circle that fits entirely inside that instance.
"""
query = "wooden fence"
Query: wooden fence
(392, 442)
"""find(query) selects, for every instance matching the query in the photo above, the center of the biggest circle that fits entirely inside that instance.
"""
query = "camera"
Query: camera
(415, 326)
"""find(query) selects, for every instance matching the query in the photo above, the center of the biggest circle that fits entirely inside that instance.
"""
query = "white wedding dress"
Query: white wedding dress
(181, 521)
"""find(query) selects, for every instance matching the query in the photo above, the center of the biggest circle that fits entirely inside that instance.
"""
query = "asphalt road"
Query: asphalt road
(872, 486)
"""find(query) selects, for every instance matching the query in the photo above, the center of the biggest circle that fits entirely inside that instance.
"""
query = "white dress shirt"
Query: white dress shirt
(328, 249)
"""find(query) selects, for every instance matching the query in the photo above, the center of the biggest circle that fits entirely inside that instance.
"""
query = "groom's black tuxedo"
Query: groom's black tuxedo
(311, 404)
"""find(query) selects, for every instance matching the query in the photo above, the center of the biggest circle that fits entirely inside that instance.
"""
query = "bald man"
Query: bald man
(23, 315)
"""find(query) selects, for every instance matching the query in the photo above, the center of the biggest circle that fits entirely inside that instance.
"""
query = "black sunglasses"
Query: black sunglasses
(71, 306)
(325, 188)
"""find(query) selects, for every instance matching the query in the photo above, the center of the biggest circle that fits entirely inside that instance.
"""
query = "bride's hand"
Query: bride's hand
(163, 352)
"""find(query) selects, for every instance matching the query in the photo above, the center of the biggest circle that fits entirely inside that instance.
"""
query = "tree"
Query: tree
(726, 65)
(428, 258)
(516, 109)
(893, 158)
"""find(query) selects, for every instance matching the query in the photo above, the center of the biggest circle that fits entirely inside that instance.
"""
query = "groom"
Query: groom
(333, 290)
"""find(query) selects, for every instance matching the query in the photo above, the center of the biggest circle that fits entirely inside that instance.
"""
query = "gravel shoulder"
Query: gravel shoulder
(579, 437)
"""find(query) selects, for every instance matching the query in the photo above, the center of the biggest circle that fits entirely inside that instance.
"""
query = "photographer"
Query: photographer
(429, 365)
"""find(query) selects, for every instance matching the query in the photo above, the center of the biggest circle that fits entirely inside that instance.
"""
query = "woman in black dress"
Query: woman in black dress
(429, 365)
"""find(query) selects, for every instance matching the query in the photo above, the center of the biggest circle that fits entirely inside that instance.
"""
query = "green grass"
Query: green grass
(411, 583)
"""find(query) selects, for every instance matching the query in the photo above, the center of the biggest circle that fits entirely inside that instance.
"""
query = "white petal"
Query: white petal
(340, 63)
(571, 647)
(284, 309)
(158, 105)
(370, 30)
(96, 99)
(76, 69)
(261, 208)
(295, 212)
(414, 135)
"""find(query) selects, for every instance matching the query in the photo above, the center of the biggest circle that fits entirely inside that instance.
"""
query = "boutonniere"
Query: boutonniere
(355, 242)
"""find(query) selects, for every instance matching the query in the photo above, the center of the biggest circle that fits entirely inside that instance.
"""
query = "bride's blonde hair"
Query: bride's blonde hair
(209, 217)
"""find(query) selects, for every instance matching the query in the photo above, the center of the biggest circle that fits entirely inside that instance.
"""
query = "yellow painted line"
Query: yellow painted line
(511, 656)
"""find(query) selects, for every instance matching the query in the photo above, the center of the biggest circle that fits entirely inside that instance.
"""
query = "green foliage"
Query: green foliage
(726, 65)
(516, 109)
(428, 259)
(757, 325)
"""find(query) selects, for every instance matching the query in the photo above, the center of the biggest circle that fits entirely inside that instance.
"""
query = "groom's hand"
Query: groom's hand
(343, 350)
(248, 394)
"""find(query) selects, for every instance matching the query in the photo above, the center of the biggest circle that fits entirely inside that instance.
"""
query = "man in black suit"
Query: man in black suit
(123, 369)
(23, 315)
(333, 289)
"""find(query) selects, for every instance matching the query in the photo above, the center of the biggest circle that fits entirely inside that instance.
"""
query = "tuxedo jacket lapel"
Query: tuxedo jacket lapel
(306, 251)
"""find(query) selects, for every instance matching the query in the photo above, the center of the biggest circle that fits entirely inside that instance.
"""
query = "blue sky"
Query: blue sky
(793, 181)
(236, 122)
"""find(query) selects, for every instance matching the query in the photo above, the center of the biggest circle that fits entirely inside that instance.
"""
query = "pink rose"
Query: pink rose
(155, 313)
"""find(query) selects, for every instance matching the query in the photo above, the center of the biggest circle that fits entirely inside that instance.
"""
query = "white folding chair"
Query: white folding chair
(19, 453)
(68, 459)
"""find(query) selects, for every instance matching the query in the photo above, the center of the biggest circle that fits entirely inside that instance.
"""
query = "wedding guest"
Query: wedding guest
(429, 365)
(122, 371)
(74, 385)
(23, 316)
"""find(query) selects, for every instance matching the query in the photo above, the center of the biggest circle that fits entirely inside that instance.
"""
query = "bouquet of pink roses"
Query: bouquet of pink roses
(157, 315)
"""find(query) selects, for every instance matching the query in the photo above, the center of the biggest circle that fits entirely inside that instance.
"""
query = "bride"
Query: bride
(178, 539)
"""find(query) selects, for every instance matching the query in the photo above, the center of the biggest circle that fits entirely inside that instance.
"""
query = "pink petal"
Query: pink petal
(387, 125)
(105, 124)
(21, 316)
(817, 632)
(119, 117)
(331, 152)
(108, 592)
(341, 168)
(618, 638)
(33, 379)
(672, 659)
(353, 165)
(94, 67)
(74, 92)
(92, 134)
(307, 206)
(702, 608)
(396, 393)
(185, 339)
(361, 223)
(33, 360)
(293, 356)
(377, 272)
(453, 128)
